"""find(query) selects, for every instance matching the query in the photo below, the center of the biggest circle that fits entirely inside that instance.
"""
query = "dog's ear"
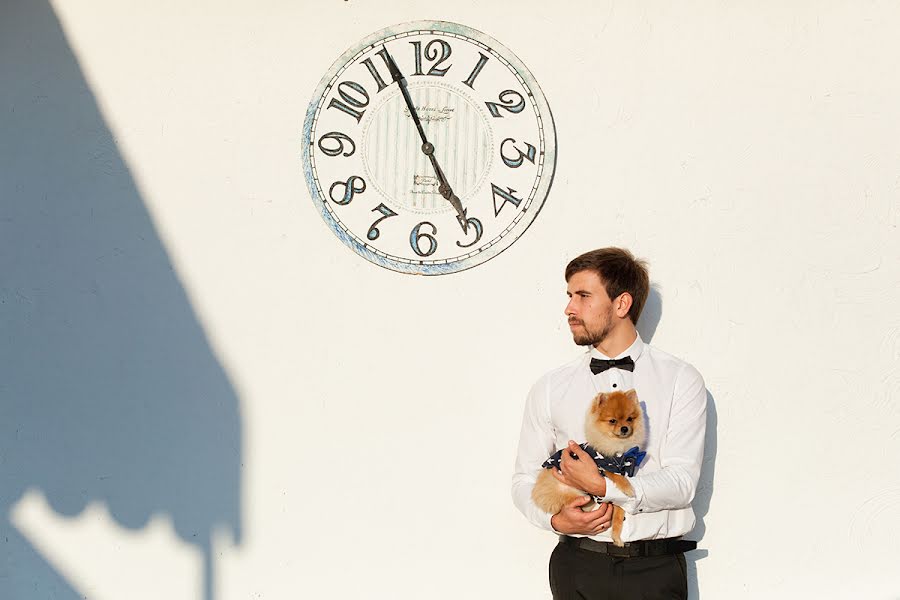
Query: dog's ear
(599, 399)
(632, 395)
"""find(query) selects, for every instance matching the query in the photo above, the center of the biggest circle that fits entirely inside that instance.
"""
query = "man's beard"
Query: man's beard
(592, 338)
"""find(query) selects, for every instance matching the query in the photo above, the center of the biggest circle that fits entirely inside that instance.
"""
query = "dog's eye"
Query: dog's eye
(612, 421)
(630, 419)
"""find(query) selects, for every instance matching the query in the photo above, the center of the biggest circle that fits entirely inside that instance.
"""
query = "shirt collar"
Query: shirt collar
(634, 351)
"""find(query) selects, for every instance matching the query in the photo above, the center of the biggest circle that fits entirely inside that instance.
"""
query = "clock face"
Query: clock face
(386, 149)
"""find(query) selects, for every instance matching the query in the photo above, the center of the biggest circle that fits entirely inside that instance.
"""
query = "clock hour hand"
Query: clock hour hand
(427, 147)
(444, 188)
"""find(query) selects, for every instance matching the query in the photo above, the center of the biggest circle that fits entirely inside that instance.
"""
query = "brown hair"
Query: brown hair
(620, 272)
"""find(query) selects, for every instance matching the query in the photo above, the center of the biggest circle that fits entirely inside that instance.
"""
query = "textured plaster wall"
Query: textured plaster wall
(204, 394)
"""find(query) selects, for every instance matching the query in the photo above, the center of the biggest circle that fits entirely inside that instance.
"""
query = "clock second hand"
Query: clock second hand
(427, 147)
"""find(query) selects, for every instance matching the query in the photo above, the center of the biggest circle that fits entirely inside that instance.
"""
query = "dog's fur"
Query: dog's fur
(605, 418)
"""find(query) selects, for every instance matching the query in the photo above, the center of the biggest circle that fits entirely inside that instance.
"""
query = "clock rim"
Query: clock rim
(542, 191)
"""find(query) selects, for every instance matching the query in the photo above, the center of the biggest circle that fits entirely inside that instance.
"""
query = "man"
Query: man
(607, 289)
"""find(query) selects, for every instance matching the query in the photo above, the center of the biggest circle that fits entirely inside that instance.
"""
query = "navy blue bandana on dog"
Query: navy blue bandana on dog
(624, 464)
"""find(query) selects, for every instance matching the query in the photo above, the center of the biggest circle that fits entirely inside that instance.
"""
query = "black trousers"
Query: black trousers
(577, 574)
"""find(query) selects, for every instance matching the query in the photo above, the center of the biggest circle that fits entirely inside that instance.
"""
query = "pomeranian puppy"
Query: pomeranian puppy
(614, 430)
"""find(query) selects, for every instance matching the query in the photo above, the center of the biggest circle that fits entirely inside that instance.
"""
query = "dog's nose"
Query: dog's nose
(624, 430)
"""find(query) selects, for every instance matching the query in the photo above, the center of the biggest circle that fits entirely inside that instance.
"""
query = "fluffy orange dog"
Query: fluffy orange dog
(614, 424)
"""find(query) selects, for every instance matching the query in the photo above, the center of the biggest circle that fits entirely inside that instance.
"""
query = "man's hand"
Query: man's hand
(571, 519)
(581, 474)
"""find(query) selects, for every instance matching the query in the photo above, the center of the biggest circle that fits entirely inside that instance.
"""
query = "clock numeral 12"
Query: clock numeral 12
(432, 55)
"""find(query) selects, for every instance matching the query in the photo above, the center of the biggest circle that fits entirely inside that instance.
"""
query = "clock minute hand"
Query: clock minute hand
(401, 81)
(427, 147)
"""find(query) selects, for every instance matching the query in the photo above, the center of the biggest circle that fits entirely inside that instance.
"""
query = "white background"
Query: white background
(750, 151)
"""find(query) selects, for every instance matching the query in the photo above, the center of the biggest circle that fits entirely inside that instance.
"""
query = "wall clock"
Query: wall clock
(428, 148)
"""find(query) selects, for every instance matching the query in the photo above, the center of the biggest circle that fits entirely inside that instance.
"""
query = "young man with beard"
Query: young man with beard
(607, 289)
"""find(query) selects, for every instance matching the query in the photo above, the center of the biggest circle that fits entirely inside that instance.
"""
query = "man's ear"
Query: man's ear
(622, 304)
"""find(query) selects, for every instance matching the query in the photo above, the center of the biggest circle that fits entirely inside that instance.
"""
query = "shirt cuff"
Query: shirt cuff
(619, 498)
(550, 524)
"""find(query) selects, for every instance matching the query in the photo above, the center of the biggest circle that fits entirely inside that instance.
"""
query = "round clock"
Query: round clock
(428, 148)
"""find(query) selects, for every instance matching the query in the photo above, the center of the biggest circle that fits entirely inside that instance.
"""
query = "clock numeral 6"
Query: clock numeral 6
(350, 189)
(472, 222)
(515, 163)
(373, 232)
(510, 100)
(415, 238)
(338, 138)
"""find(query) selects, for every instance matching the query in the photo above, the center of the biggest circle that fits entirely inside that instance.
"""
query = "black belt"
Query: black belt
(631, 549)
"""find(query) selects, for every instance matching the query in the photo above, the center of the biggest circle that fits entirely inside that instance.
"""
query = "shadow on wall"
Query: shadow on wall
(703, 497)
(109, 390)
(650, 315)
(647, 324)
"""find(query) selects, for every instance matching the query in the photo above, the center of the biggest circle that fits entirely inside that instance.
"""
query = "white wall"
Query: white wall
(356, 427)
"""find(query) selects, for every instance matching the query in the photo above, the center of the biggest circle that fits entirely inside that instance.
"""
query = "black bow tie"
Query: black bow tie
(598, 365)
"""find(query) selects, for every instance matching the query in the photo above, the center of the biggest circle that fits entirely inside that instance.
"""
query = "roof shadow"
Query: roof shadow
(109, 389)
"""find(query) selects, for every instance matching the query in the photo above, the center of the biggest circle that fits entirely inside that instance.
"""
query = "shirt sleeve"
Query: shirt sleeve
(681, 453)
(536, 443)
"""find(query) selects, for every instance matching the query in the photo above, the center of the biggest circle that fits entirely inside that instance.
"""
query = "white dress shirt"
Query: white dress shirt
(673, 397)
